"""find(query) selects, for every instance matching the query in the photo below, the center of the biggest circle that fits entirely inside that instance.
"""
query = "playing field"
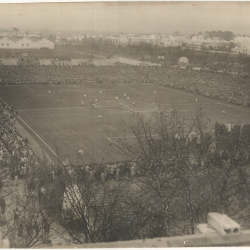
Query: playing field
(59, 121)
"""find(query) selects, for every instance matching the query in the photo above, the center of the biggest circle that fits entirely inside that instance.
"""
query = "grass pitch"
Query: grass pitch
(67, 118)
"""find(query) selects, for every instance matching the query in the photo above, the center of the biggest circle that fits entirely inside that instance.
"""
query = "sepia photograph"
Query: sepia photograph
(124, 124)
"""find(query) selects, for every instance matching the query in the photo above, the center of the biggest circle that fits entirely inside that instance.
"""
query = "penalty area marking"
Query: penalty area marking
(28, 88)
(128, 136)
(123, 137)
(34, 133)
(119, 146)
(193, 95)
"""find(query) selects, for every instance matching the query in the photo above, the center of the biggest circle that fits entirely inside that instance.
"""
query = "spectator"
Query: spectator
(229, 128)
(241, 127)
(232, 126)
(16, 216)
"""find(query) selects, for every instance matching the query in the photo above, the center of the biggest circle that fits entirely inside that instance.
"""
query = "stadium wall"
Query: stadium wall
(45, 62)
(61, 63)
(9, 61)
(76, 62)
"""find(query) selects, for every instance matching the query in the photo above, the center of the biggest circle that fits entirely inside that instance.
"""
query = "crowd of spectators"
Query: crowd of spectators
(103, 171)
(232, 88)
(16, 157)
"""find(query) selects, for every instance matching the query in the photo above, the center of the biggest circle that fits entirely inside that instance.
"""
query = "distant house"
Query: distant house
(240, 50)
(45, 61)
(25, 43)
(80, 62)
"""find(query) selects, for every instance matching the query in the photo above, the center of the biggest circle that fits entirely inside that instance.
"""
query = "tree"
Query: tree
(26, 33)
(226, 35)
(92, 210)
(15, 30)
(230, 46)
(52, 37)
(26, 217)
(180, 167)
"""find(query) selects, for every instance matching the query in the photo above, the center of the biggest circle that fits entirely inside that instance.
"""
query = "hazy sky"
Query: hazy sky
(129, 17)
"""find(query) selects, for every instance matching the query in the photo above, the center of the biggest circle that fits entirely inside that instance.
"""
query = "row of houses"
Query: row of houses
(154, 39)
(49, 62)
(240, 45)
(25, 43)
(13, 32)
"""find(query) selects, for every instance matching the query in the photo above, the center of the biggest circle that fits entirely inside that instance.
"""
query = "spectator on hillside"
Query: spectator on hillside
(232, 126)
(229, 128)
(241, 127)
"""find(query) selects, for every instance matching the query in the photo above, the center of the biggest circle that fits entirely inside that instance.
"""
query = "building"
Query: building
(242, 45)
(25, 43)
(173, 41)
(240, 50)
(204, 42)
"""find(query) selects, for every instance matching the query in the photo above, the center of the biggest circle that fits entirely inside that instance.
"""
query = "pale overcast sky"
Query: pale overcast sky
(129, 17)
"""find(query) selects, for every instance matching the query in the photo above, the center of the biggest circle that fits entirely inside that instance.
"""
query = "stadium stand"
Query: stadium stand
(234, 89)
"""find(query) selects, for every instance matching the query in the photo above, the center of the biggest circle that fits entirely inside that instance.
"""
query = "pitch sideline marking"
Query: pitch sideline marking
(121, 137)
(34, 132)
(127, 86)
(54, 108)
(186, 104)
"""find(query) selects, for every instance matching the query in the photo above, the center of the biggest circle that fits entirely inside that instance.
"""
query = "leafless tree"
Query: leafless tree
(178, 164)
